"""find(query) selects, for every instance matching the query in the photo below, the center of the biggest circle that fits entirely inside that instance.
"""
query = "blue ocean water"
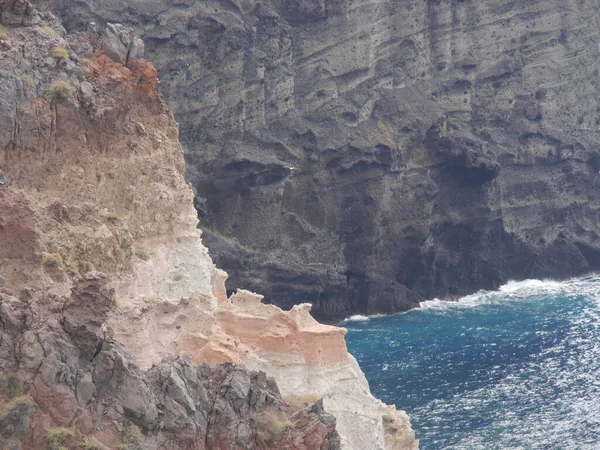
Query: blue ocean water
(513, 369)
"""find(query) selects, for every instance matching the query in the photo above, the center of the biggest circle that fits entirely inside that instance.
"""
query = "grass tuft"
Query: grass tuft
(57, 437)
(73, 269)
(110, 217)
(22, 400)
(294, 401)
(92, 444)
(389, 424)
(28, 80)
(309, 399)
(143, 255)
(59, 53)
(118, 304)
(11, 386)
(50, 32)
(133, 434)
(302, 401)
(53, 260)
(271, 426)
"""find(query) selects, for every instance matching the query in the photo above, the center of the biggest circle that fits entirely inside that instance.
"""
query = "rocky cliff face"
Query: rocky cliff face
(366, 155)
(77, 377)
(110, 305)
(309, 360)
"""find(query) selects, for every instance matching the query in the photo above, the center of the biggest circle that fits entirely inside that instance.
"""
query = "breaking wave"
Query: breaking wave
(357, 318)
(517, 290)
(360, 318)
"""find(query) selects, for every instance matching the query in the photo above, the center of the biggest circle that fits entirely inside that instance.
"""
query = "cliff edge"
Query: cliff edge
(111, 308)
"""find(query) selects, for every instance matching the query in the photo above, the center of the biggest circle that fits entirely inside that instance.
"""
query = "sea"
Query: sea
(517, 368)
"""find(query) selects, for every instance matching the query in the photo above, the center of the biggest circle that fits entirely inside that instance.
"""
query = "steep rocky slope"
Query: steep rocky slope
(110, 305)
(365, 155)
(77, 377)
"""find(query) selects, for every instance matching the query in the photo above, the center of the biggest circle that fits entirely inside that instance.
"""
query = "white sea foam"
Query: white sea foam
(435, 304)
(515, 290)
(357, 318)
(361, 318)
(515, 286)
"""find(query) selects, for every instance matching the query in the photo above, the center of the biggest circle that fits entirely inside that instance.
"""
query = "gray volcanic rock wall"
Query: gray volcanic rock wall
(366, 155)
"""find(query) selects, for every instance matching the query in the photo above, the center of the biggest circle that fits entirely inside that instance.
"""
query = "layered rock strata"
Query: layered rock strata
(366, 155)
(109, 302)
(308, 359)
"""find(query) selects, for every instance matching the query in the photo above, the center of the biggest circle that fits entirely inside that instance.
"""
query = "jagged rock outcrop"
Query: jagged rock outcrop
(306, 358)
(110, 305)
(120, 45)
(363, 156)
(81, 378)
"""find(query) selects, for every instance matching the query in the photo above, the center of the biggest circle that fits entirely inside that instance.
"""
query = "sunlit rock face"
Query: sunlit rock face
(307, 359)
(365, 155)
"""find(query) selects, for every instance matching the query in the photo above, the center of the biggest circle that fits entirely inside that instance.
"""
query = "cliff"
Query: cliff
(111, 308)
(308, 360)
(84, 389)
(363, 156)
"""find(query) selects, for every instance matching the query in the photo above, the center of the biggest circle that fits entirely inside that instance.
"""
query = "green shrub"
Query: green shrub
(179, 277)
(59, 53)
(11, 386)
(28, 80)
(57, 437)
(122, 447)
(132, 434)
(271, 426)
(110, 217)
(50, 32)
(53, 260)
(3, 33)
(92, 444)
(58, 91)
(143, 255)
(15, 403)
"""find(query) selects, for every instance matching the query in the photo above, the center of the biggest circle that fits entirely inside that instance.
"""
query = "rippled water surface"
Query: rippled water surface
(514, 369)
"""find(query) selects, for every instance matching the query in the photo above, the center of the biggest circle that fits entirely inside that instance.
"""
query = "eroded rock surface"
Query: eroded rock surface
(81, 379)
(366, 155)
(110, 305)
(306, 358)
(119, 44)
